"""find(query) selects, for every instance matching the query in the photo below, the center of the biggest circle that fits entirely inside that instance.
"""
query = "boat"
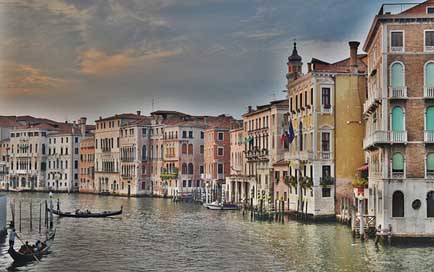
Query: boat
(222, 206)
(86, 214)
(35, 256)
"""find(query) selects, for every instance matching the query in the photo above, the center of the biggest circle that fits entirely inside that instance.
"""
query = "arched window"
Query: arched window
(398, 204)
(430, 164)
(300, 132)
(184, 169)
(429, 74)
(429, 122)
(184, 148)
(397, 119)
(397, 75)
(190, 169)
(398, 163)
(190, 149)
(430, 204)
(144, 153)
(162, 151)
(43, 149)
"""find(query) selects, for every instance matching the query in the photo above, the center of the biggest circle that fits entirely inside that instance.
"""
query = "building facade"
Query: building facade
(87, 164)
(399, 115)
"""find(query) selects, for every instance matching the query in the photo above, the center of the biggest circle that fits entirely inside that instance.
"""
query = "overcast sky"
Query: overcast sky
(72, 58)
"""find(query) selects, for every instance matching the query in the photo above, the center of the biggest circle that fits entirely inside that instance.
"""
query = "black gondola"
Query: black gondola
(35, 256)
(86, 214)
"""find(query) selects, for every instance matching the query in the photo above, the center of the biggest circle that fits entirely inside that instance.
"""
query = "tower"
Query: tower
(294, 65)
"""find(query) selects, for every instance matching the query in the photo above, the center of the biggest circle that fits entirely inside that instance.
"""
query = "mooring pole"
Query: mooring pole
(40, 216)
(20, 215)
(31, 215)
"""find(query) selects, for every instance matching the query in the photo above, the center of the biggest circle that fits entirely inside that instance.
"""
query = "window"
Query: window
(429, 76)
(429, 123)
(184, 149)
(430, 204)
(76, 164)
(397, 75)
(220, 136)
(201, 149)
(325, 141)
(144, 153)
(397, 41)
(326, 171)
(430, 165)
(397, 119)
(397, 163)
(202, 135)
(190, 134)
(184, 134)
(190, 169)
(326, 191)
(398, 204)
(430, 10)
(184, 169)
(190, 149)
(290, 104)
(325, 98)
(429, 40)
(220, 151)
(220, 168)
(201, 169)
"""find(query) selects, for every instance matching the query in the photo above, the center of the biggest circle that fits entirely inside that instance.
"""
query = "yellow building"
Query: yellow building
(325, 110)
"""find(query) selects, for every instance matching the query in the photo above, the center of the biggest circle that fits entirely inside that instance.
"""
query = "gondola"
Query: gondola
(86, 214)
(222, 206)
(36, 256)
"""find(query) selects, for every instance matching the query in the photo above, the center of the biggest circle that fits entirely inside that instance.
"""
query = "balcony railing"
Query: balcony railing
(398, 92)
(325, 155)
(371, 103)
(326, 181)
(428, 92)
(398, 175)
(326, 108)
(429, 136)
(299, 155)
(429, 174)
(378, 137)
(398, 136)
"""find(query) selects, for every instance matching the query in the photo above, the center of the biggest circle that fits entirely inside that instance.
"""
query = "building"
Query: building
(107, 151)
(239, 183)
(399, 116)
(325, 109)
(263, 127)
(4, 164)
(87, 164)
(134, 163)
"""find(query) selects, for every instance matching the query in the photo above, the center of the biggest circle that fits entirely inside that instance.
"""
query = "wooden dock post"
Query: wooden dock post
(31, 215)
(40, 216)
(20, 215)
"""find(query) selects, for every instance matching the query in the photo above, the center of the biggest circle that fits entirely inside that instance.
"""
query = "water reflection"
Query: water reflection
(158, 235)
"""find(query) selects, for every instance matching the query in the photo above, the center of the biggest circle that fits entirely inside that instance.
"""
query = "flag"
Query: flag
(282, 136)
(290, 132)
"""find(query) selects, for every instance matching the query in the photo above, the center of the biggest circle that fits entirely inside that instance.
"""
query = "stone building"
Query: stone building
(262, 128)
(87, 164)
(325, 109)
(4, 163)
(399, 112)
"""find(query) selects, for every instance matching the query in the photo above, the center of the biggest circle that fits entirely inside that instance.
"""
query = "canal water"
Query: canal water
(159, 235)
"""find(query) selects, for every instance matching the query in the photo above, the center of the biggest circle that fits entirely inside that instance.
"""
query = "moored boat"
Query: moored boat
(22, 257)
(86, 214)
(222, 206)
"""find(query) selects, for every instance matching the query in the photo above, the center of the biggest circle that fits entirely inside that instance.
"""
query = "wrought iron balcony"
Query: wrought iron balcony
(372, 102)
(428, 92)
(429, 136)
(398, 136)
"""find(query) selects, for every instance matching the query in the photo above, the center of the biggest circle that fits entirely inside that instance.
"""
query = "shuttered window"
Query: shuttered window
(397, 39)
(398, 162)
(397, 75)
(430, 118)
(429, 38)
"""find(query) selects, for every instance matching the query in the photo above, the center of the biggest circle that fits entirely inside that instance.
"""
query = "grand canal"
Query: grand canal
(159, 235)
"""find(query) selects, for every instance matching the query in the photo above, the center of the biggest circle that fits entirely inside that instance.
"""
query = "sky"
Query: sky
(63, 59)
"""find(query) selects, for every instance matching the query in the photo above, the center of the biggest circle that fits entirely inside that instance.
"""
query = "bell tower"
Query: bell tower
(294, 65)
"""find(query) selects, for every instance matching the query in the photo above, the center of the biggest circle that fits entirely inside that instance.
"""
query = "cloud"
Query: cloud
(21, 79)
(96, 62)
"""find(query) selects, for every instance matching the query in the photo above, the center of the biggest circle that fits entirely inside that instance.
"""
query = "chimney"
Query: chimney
(249, 109)
(309, 67)
(353, 55)
(82, 124)
(138, 112)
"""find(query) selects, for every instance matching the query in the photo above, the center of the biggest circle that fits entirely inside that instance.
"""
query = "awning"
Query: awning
(363, 167)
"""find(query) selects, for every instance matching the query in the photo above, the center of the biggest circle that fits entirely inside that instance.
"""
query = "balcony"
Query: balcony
(428, 92)
(325, 155)
(398, 92)
(299, 155)
(429, 136)
(326, 109)
(376, 138)
(398, 175)
(326, 181)
(371, 103)
(398, 136)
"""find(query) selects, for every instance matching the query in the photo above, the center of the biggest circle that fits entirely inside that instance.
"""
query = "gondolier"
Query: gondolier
(12, 236)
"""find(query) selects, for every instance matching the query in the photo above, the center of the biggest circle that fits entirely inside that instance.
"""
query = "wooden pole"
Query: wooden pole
(31, 215)
(40, 216)
(20, 215)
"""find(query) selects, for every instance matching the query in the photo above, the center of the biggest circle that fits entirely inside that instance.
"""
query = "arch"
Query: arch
(398, 163)
(397, 74)
(430, 204)
(429, 118)
(397, 119)
(398, 204)
(429, 74)
(184, 169)
(190, 169)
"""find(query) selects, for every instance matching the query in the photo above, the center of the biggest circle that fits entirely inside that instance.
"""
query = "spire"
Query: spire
(294, 57)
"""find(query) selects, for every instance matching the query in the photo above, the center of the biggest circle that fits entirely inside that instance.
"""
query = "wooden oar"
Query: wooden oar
(34, 256)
